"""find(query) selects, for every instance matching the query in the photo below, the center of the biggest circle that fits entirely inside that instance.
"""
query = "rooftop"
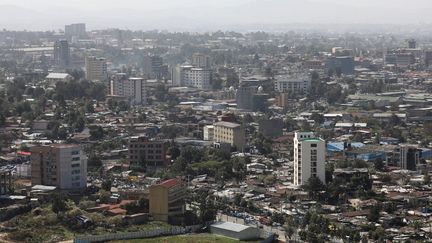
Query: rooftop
(227, 124)
(57, 75)
(169, 183)
(230, 226)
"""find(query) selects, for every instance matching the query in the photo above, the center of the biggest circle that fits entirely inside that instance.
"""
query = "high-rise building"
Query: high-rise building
(96, 69)
(309, 158)
(412, 44)
(409, 157)
(158, 69)
(292, 84)
(244, 97)
(75, 30)
(190, 76)
(341, 64)
(132, 88)
(148, 153)
(62, 53)
(60, 165)
(167, 201)
(201, 61)
(229, 133)
(400, 59)
(208, 133)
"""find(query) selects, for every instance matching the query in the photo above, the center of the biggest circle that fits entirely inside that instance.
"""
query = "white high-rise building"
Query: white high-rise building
(133, 88)
(292, 83)
(309, 157)
(60, 165)
(190, 76)
(208, 133)
(96, 69)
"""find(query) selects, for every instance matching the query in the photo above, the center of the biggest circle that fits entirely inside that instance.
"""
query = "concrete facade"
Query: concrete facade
(309, 158)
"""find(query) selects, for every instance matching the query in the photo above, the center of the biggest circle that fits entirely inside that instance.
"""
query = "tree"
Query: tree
(174, 151)
(318, 118)
(94, 160)
(106, 185)
(374, 213)
(58, 203)
(379, 164)
(314, 186)
(96, 132)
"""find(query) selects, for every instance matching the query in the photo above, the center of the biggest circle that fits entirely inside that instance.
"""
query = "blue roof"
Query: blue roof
(339, 146)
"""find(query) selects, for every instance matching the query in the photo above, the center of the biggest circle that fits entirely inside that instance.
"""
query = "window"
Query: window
(314, 145)
(75, 152)
(76, 159)
(76, 165)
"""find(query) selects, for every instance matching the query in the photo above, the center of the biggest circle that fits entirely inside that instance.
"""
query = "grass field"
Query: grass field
(192, 238)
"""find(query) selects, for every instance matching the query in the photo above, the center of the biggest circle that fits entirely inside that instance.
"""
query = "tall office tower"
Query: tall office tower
(96, 69)
(132, 88)
(157, 68)
(201, 61)
(75, 30)
(60, 165)
(244, 97)
(412, 44)
(343, 64)
(61, 53)
(409, 157)
(309, 157)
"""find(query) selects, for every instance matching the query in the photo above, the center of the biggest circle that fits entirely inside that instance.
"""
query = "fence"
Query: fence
(175, 230)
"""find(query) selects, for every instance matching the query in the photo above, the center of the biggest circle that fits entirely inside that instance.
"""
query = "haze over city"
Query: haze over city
(208, 15)
(230, 121)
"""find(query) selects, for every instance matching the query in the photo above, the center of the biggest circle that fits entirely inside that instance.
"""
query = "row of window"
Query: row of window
(143, 152)
(148, 157)
(145, 146)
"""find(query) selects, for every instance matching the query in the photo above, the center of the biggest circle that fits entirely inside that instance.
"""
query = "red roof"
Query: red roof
(169, 183)
(23, 153)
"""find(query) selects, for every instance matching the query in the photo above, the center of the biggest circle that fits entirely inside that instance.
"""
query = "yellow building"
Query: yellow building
(231, 133)
(167, 200)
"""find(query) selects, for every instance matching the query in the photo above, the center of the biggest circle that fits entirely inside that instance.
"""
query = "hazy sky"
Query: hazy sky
(192, 14)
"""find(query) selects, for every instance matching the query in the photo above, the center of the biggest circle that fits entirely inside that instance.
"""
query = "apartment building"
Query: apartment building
(60, 165)
(230, 133)
(309, 157)
(96, 69)
(146, 152)
(292, 83)
(190, 76)
(133, 88)
(167, 200)
(208, 133)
